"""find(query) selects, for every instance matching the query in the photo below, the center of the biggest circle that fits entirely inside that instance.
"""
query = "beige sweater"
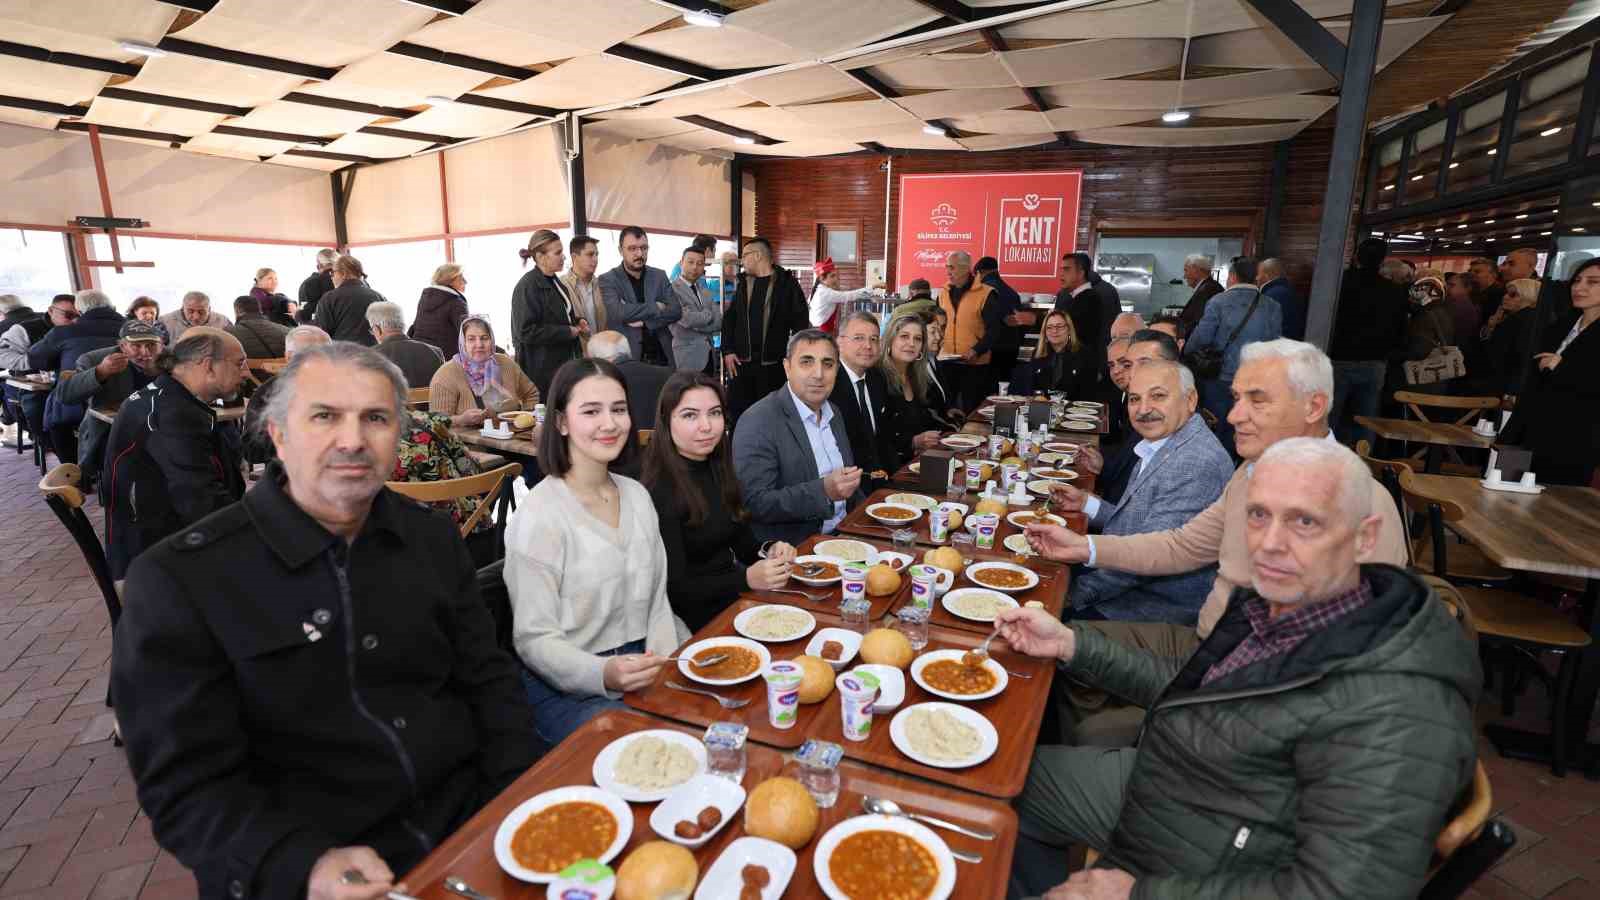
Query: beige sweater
(1216, 535)
(451, 395)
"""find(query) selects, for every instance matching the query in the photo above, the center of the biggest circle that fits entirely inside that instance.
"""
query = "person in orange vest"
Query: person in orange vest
(974, 321)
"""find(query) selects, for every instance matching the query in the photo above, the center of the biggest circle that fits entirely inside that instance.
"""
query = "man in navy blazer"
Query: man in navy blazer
(1182, 469)
(639, 300)
(791, 451)
(1274, 283)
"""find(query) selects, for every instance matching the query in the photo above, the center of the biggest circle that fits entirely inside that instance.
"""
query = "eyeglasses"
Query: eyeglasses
(871, 339)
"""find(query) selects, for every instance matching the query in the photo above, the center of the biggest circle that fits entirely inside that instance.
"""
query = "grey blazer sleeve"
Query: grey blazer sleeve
(620, 310)
(83, 385)
(699, 314)
(762, 446)
(663, 298)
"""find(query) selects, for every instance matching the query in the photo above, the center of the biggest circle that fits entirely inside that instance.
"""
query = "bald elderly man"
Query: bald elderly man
(1313, 745)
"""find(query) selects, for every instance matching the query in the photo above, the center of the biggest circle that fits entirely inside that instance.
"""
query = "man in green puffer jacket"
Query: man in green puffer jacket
(1312, 746)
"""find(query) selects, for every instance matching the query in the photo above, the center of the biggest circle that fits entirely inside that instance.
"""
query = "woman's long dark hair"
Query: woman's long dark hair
(663, 464)
(555, 458)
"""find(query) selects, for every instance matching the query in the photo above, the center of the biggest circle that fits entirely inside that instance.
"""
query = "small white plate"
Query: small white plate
(850, 640)
(1052, 474)
(1042, 486)
(986, 412)
(877, 512)
(846, 550)
(1017, 543)
(741, 623)
(986, 733)
(891, 557)
(725, 878)
(891, 686)
(1088, 404)
(1016, 518)
(936, 847)
(1080, 425)
(954, 597)
(1001, 679)
(816, 558)
(763, 657)
(688, 799)
(921, 501)
(1051, 459)
(975, 568)
(1062, 447)
(963, 442)
(605, 763)
(915, 468)
(581, 793)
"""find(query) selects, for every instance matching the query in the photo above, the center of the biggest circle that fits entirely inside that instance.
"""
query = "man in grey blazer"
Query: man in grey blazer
(790, 449)
(639, 300)
(1181, 470)
(702, 316)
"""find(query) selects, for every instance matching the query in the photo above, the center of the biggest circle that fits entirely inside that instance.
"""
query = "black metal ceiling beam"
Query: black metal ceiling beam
(671, 63)
(116, 93)
(997, 43)
(176, 140)
(324, 154)
(950, 9)
(261, 134)
(730, 130)
(251, 60)
(409, 135)
(462, 61)
(1306, 32)
(395, 112)
(509, 105)
(874, 146)
(200, 6)
(44, 106)
(873, 83)
(448, 7)
(74, 60)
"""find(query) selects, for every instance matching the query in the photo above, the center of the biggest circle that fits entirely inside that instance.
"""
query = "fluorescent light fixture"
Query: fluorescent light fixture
(1494, 151)
(1459, 227)
(1454, 164)
(1437, 230)
(1417, 177)
(439, 99)
(1595, 203)
(1544, 234)
(1488, 221)
(142, 48)
(1377, 234)
(934, 131)
(1174, 116)
(702, 19)
(1549, 131)
(1522, 215)
(1515, 236)
(744, 140)
(1388, 187)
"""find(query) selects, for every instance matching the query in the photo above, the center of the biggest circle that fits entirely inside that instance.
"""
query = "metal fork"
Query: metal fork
(812, 597)
(724, 702)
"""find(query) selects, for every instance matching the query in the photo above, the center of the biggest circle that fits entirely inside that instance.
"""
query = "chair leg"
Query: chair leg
(1565, 675)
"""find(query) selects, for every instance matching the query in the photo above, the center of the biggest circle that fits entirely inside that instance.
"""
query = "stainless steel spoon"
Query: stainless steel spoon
(890, 808)
(457, 886)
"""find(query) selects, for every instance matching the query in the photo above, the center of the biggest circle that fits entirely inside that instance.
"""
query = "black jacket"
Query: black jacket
(1196, 307)
(1558, 416)
(905, 419)
(706, 562)
(438, 321)
(872, 449)
(543, 319)
(168, 465)
(1006, 338)
(283, 693)
(764, 336)
(60, 348)
(1372, 317)
(1077, 372)
(260, 337)
(644, 382)
(1507, 354)
(417, 360)
(342, 312)
(1087, 313)
(1110, 307)
(312, 290)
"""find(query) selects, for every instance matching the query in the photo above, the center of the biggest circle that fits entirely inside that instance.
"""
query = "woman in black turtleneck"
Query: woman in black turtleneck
(712, 556)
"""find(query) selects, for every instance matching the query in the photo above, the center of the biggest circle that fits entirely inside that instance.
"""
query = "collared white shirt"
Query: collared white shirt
(1144, 450)
(1081, 288)
(824, 448)
(855, 390)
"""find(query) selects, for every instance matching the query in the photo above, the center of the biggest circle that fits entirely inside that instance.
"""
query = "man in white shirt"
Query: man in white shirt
(791, 451)
(583, 287)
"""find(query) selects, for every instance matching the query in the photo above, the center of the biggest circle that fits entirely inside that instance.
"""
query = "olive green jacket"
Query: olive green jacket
(1325, 772)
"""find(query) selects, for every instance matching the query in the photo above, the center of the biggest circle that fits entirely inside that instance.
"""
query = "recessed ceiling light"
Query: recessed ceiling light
(1388, 187)
(1494, 151)
(141, 48)
(1459, 227)
(1377, 234)
(1515, 236)
(1544, 234)
(1174, 116)
(1488, 221)
(1522, 215)
(1416, 177)
(1549, 131)
(1595, 203)
(1577, 228)
(744, 140)
(702, 19)
(1437, 230)
(1454, 164)
(934, 131)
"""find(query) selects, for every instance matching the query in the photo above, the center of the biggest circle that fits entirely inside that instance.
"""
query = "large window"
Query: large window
(400, 271)
(222, 269)
(33, 265)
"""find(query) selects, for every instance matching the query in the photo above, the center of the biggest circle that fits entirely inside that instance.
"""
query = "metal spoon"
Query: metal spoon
(721, 700)
(890, 808)
(978, 654)
(457, 886)
(699, 663)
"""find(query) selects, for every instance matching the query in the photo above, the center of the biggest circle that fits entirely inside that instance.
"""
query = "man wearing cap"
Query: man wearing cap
(826, 298)
(105, 378)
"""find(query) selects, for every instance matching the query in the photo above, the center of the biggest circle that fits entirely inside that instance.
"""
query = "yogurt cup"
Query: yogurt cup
(783, 693)
(939, 524)
(983, 530)
(924, 585)
(856, 694)
(853, 581)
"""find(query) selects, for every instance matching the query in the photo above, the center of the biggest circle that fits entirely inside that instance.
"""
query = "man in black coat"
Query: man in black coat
(643, 380)
(316, 284)
(1006, 342)
(308, 681)
(768, 306)
(168, 462)
(1197, 274)
(342, 312)
(104, 380)
(1086, 305)
(868, 425)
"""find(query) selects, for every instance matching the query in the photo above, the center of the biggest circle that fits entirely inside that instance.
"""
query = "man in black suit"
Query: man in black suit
(1079, 299)
(643, 380)
(1007, 342)
(1197, 274)
(861, 395)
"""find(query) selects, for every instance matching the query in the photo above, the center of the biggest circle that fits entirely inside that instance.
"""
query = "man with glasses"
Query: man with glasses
(862, 399)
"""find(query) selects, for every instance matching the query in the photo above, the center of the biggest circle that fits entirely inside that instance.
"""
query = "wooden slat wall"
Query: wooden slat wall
(793, 195)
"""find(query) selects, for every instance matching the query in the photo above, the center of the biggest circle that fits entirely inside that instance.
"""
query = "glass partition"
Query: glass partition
(223, 270)
(34, 266)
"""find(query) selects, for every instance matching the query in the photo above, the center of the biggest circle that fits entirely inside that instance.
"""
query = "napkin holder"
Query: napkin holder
(936, 470)
(1005, 417)
(1508, 471)
(1039, 413)
(494, 427)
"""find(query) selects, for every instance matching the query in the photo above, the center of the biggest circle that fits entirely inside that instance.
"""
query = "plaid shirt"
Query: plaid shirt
(1270, 637)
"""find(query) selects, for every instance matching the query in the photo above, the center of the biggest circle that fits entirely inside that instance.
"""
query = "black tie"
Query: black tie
(866, 406)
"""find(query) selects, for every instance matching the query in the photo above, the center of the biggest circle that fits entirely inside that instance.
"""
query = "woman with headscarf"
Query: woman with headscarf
(1507, 338)
(478, 380)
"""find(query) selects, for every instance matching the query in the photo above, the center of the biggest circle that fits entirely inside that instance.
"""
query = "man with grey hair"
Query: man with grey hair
(261, 337)
(95, 328)
(1125, 324)
(1272, 276)
(194, 311)
(266, 765)
(974, 323)
(1180, 469)
(417, 360)
(1281, 391)
(316, 284)
(168, 463)
(1197, 274)
(257, 446)
(1320, 735)
(643, 380)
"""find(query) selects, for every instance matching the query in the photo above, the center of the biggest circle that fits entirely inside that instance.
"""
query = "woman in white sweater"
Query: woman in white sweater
(585, 565)
(827, 299)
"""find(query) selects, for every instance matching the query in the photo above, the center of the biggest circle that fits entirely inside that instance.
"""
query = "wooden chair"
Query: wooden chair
(418, 397)
(1466, 411)
(1470, 844)
(263, 368)
(1511, 619)
(61, 493)
(1467, 562)
(485, 485)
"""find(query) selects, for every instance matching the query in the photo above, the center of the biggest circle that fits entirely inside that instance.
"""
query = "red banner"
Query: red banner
(1026, 220)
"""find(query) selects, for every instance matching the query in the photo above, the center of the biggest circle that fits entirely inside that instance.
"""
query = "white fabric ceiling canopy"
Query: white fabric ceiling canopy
(148, 117)
(587, 81)
(307, 31)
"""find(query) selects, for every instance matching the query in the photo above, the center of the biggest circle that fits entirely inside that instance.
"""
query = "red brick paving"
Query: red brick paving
(70, 826)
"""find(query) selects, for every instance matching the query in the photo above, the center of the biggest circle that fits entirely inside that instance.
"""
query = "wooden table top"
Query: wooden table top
(224, 413)
(469, 853)
(858, 524)
(1416, 432)
(833, 594)
(1052, 590)
(520, 446)
(980, 427)
(28, 384)
(1555, 532)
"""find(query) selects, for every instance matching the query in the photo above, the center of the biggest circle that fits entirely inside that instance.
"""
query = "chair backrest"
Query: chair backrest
(418, 396)
(1465, 866)
(65, 499)
(1387, 473)
(1438, 509)
(1469, 408)
(485, 485)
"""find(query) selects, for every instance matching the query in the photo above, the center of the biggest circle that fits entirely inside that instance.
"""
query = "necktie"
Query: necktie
(866, 405)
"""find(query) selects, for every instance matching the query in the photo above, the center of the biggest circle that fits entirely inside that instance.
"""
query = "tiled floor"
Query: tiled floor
(72, 828)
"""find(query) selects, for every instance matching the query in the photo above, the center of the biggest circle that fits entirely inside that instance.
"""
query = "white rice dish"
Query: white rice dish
(775, 624)
(978, 606)
(939, 735)
(652, 764)
(847, 550)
